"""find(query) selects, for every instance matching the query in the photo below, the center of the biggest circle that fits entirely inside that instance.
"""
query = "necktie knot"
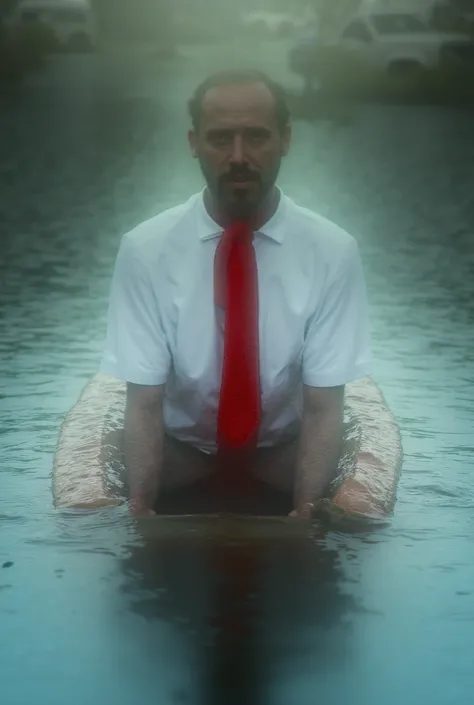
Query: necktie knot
(236, 240)
(242, 231)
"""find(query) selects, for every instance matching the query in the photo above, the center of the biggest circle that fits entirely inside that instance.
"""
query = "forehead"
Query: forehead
(237, 106)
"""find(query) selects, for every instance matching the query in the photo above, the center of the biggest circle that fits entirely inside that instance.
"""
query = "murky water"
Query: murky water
(94, 609)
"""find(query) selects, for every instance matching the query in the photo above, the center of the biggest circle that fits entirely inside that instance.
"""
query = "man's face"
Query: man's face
(239, 146)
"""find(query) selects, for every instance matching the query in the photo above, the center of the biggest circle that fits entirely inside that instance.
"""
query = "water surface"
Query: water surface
(94, 609)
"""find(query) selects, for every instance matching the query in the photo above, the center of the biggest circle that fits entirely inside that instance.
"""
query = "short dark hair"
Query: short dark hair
(238, 78)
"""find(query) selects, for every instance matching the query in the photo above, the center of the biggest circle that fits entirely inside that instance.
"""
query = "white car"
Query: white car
(390, 42)
(71, 22)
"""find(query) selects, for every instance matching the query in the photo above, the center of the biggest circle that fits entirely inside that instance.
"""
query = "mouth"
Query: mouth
(242, 182)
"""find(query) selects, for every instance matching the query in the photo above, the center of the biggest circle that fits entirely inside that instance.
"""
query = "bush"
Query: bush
(23, 48)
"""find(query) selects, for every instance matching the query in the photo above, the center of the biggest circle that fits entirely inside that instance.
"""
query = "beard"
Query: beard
(240, 193)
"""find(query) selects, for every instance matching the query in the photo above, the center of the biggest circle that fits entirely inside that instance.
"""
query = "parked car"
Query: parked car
(70, 22)
(392, 43)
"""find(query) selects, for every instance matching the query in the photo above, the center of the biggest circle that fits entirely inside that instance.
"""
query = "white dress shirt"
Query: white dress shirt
(163, 329)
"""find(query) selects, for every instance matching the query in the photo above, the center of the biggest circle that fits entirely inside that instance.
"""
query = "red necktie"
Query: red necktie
(236, 291)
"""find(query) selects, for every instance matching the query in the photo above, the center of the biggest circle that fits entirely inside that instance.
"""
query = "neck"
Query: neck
(262, 215)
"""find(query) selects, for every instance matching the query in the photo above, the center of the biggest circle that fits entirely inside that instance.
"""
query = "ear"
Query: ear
(286, 140)
(192, 139)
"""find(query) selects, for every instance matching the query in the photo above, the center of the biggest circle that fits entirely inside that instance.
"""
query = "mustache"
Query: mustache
(240, 175)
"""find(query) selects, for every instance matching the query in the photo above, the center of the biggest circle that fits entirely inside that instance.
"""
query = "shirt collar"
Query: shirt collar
(207, 227)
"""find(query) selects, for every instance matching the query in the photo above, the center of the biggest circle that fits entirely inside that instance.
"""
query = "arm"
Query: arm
(319, 445)
(143, 445)
(337, 350)
(137, 351)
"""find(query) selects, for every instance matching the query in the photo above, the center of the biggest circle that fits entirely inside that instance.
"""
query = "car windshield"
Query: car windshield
(398, 24)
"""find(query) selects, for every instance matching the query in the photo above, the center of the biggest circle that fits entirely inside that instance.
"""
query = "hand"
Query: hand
(138, 508)
(304, 513)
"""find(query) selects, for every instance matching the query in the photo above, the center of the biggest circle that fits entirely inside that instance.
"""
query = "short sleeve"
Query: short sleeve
(136, 349)
(337, 347)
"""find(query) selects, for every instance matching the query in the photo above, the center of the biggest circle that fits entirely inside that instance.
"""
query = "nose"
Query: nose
(237, 155)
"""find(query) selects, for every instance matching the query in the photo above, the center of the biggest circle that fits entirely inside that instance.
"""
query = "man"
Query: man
(235, 346)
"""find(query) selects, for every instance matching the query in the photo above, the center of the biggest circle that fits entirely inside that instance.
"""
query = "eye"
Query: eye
(257, 136)
(220, 138)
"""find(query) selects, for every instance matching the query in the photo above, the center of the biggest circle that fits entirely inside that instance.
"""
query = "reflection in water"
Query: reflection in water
(234, 670)
(250, 609)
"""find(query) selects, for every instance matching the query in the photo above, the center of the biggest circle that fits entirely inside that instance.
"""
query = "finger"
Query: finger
(141, 511)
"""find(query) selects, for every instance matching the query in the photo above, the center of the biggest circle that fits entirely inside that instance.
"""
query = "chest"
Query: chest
(287, 297)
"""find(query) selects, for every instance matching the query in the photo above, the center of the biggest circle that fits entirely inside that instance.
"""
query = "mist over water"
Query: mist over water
(95, 608)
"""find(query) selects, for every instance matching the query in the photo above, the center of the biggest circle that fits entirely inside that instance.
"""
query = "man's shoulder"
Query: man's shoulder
(319, 232)
(150, 236)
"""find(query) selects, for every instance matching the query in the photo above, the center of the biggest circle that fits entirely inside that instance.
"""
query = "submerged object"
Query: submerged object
(369, 466)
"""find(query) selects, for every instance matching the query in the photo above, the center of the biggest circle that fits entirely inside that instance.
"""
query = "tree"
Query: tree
(452, 14)
(6, 6)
